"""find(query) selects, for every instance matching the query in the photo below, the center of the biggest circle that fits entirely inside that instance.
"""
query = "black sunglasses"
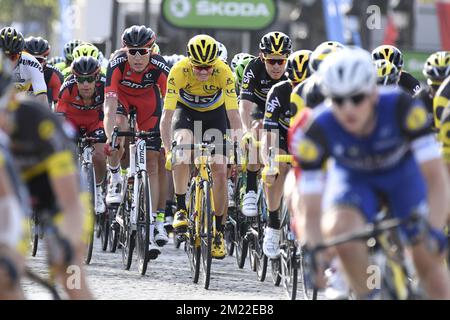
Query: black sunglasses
(141, 51)
(355, 99)
(275, 61)
(201, 68)
(82, 79)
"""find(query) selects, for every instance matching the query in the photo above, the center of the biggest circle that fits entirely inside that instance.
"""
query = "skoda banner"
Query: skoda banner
(220, 14)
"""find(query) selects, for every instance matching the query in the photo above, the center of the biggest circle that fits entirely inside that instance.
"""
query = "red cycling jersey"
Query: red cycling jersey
(141, 90)
(54, 80)
(76, 111)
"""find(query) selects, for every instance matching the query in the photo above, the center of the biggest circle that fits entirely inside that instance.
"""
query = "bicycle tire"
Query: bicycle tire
(104, 229)
(289, 271)
(275, 265)
(88, 172)
(143, 224)
(307, 292)
(192, 244)
(261, 260)
(229, 232)
(206, 229)
(127, 249)
(113, 236)
(34, 223)
(240, 229)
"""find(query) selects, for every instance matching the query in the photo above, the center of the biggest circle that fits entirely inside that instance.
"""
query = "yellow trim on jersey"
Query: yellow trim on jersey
(184, 89)
(57, 165)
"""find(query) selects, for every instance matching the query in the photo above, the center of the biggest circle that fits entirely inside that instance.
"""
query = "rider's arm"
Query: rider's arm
(55, 84)
(270, 123)
(311, 152)
(37, 79)
(170, 104)
(417, 126)
(231, 104)
(113, 76)
(247, 103)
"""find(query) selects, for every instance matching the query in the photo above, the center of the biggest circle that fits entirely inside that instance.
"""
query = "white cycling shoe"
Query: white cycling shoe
(161, 237)
(114, 192)
(99, 201)
(271, 243)
(249, 204)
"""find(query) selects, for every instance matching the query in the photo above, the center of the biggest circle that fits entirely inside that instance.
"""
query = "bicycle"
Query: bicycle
(201, 229)
(386, 252)
(85, 147)
(285, 268)
(134, 212)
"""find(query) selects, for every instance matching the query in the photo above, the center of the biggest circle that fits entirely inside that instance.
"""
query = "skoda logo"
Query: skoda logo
(180, 8)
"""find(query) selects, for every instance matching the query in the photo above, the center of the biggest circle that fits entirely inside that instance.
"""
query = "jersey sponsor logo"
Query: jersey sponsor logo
(273, 104)
(160, 64)
(134, 85)
(31, 63)
(68, 83)
(172, 81)
(230, 81)
(307, 150)
(210, 88)
(247, 76)
(194, 99)
(117, 61)
(417, 118)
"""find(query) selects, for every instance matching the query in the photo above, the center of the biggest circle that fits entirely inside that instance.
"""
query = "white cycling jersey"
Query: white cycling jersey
(28, 72)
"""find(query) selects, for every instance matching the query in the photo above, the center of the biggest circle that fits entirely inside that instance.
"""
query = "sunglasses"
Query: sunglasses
(202, 68)
(355, 99)
(275, 61)
(89, 79)
(141, 51)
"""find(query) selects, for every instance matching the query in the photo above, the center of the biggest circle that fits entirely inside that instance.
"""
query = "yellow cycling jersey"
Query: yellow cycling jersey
(184, 89)
(440, 102)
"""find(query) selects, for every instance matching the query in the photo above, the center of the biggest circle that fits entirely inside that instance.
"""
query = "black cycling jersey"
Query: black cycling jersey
(426, 96)
(256, 83)
(278, 112)
(309, 90)
(41, 148)
(408, 83)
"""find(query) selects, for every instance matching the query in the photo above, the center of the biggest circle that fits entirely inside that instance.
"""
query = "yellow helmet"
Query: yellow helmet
(276, 43)
(322, 51)
(390, 53)
(298, 66)
(387, 72)
(202, 50)
(437, 67)
(85, 50)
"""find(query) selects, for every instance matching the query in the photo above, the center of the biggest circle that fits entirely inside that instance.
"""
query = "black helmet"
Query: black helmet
(11, 41)
(390, 53)
(37, 46)
(276, 43)
(297, 66)
(138, 36)
(84, 66)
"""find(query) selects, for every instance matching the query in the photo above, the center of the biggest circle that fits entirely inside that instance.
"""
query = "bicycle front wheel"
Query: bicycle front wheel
(89, 177)
(206, 230)
(143, 224)
(192, 243)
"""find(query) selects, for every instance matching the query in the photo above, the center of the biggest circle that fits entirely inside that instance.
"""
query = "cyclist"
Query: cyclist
(200, 90)
(277, 119)
(136, 79)
(28, 71)
(381, 145)
(12, 212)
(40, 49)
(81, 102)
(260, 75)
(395, 56)
(84, 50)
(43, 154)
(309, 92)
(436, 69)
(68, 50)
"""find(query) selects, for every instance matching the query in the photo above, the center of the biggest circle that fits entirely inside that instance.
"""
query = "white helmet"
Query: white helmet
(222, 52)
(347, 72)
